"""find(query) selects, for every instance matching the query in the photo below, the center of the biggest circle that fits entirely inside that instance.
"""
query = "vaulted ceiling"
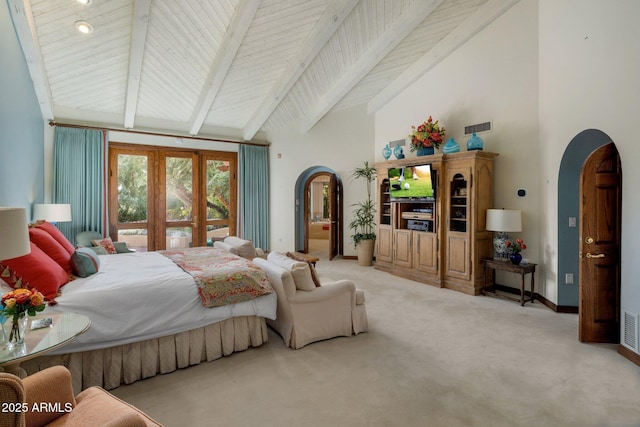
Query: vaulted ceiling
(233, 68)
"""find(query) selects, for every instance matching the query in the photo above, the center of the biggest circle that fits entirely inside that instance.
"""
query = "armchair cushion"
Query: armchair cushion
(299, 270)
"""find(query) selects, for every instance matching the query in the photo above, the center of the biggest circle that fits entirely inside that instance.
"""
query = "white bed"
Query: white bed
(147, 318)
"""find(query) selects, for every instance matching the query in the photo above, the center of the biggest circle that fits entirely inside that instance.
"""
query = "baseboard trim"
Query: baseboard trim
(350, 257)
(538, 297)
(628, 354)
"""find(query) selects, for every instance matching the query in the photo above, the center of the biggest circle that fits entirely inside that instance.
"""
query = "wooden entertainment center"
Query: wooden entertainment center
(439, 242)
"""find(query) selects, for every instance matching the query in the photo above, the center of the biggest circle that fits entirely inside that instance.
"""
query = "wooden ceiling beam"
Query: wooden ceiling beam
(481, 18)
(397, 31)
(329, 22)
(138, 40)
(24, 24)
(240, 23)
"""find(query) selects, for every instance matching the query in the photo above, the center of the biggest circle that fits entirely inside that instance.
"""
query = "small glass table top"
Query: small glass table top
(65, 327)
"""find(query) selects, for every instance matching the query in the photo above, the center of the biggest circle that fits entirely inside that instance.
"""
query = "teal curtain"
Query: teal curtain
(253, 182)
(79, 157)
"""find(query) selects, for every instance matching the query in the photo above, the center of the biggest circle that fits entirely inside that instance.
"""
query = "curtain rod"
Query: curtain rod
(142, 132)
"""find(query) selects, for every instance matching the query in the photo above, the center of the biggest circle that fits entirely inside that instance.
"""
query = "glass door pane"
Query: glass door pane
(218, 199)
(133, 200)
(180, 218)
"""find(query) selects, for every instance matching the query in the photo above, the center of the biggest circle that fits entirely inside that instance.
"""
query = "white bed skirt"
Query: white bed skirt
(125, 364)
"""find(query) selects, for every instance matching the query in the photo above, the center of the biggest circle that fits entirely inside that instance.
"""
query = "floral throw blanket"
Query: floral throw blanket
(222, 278)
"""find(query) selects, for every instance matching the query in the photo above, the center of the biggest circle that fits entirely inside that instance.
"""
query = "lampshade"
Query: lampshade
(504, 220)
(52, 212)
(14, 234)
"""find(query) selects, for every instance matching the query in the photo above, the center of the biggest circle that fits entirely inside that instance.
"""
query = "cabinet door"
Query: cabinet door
(403, 248)
(425, 252)
(458, 257)
(385, 244)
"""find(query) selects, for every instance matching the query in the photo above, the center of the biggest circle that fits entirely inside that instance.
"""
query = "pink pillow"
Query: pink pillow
(56, 234)
(35, 270)
(107, 244)
(51, 247)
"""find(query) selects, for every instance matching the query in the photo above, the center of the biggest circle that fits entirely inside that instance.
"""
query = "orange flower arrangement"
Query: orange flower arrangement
(21, 302)
(428, 134)
(515, 247)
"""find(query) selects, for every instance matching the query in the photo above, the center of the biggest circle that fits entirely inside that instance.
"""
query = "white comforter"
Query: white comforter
(143, 295)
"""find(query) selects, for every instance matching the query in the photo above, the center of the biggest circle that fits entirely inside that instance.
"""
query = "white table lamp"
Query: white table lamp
(52, 212)
(503, 221)
(14, 233)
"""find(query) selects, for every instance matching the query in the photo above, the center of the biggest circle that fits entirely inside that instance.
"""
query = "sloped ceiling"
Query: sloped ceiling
(233, 68)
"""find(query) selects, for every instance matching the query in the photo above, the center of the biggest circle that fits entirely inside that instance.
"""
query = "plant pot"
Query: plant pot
(365, 252)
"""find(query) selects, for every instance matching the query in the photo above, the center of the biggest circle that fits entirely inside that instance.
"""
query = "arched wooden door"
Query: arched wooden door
(600, 218)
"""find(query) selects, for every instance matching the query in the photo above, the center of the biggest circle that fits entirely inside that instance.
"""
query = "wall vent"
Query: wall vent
(630, 330)
(396, 142)
(480, 127)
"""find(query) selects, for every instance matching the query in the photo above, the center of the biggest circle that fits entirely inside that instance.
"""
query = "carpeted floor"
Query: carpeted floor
(432, 357)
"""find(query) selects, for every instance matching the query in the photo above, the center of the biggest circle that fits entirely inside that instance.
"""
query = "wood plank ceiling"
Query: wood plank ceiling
(234, 68)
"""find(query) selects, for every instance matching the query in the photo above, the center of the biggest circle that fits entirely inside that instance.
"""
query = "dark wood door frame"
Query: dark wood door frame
(335, 213)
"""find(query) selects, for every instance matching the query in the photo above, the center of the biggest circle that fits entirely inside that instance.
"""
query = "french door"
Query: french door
(162, 198)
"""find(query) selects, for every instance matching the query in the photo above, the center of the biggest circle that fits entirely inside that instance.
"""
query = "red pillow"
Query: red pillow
(56, 234)
(36, 270)
(51, 247)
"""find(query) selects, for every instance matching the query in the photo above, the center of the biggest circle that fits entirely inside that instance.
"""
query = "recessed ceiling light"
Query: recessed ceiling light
(84, 27)
(84, 1)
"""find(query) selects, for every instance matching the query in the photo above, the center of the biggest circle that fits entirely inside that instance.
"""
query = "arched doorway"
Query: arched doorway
(318, 205)
(570, 221)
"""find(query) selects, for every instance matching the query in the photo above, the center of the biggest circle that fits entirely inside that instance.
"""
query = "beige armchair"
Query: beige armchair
(46, 399)
(336, 308)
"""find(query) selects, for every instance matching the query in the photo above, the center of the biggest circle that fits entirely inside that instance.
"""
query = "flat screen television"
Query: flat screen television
(412, 183)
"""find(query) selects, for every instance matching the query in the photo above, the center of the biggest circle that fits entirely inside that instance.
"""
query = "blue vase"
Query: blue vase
(386, 152)
(515, 258)
(425, 151)
(451, 147)
(474, 143)
(397, 151)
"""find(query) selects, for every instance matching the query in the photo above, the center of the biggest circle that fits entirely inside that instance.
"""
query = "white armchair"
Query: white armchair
(336, 308)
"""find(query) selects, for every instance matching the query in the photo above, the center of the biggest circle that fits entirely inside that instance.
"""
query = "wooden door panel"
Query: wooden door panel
(384, 241)
(402, 244)
(599, 310)
(458, 257)
(425, 250)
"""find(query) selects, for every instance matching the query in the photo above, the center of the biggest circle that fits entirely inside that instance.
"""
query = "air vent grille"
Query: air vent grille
(396, 142)
(480, 127)
(630, 330)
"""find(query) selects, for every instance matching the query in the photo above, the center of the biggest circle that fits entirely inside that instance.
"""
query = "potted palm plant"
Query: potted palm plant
(363, 223)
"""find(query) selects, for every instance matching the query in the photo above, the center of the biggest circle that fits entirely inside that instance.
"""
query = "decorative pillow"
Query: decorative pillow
(51, 247)
(245, 248)
(35, 270)
(107, 244)
(85, 262)
(299, 270)
(56, 234)
(314, 274)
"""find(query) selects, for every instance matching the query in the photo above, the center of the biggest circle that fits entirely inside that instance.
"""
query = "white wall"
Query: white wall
(341, 141)
(589, 67)
(493, 77)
